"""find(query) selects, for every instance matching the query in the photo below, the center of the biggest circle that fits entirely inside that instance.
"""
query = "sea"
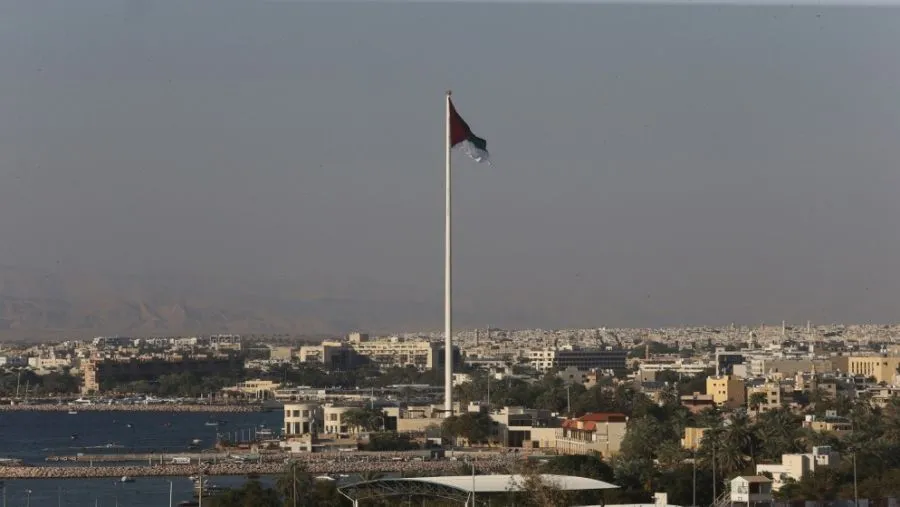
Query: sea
(32, 436)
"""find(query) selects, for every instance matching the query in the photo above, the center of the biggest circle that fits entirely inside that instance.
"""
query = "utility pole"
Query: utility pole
(170, 493)
(714, 469)
(694, 495)
(294, 481)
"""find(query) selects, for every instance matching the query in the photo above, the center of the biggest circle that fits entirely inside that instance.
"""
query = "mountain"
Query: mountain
(40, 304)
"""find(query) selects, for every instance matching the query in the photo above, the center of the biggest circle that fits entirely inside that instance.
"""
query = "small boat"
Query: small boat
(215, 423)
(73, 412)
(196, 441)
(74, 436)
(125, 478)
(189, 503)
(129, 425)
(264, 432)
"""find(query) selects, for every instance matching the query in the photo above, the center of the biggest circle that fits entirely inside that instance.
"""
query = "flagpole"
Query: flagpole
(448, 272)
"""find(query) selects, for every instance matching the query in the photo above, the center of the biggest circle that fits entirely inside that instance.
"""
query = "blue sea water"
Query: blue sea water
(32, 436)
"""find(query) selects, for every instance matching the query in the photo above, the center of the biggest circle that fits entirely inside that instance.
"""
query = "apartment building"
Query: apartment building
(396, 352)
(333, 355)
(768, 396)
(726, 391)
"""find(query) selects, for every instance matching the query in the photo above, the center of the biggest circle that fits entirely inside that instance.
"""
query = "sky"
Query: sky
(653, 164)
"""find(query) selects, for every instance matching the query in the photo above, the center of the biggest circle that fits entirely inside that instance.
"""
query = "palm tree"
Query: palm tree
(755, 401)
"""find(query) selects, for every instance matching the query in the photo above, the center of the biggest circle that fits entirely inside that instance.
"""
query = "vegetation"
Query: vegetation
(13, 382)
(474, 427)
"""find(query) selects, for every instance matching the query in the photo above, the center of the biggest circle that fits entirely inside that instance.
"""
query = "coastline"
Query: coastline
(166, 407)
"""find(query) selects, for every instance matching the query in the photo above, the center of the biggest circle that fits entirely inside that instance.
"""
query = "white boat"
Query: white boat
(125, 478)
(196, 441)
(73, 412)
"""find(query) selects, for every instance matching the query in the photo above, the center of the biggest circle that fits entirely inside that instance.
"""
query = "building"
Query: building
(727, 391)
(396, 352)
(333, 416)
(725, 361)
(281, 353)
(882, 368)
(831, 423)
(751, 491)
(98, 373)
(582, 359)
(256, 389)
(592, 432)
(697, 402)
(333, 355)
(796, 466)
(302, 419)
(767, 366)
(524, 427)
(768, 396)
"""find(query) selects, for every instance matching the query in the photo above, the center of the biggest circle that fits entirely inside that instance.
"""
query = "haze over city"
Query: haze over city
(279, 165)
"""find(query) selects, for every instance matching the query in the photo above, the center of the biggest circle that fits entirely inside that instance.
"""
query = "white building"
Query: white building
(796, 466)
(751, 491)
(301, 419)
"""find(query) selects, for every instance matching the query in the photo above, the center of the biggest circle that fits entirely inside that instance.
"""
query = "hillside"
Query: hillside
(37, 304)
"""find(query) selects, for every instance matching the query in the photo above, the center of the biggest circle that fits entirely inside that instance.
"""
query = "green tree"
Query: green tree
(475, 427)
(251, 494)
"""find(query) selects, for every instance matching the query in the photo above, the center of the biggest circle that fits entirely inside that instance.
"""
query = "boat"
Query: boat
(263, 432)
(189, 503)
(215, 423)
(73, 412)
(196, 441)
(125, 478)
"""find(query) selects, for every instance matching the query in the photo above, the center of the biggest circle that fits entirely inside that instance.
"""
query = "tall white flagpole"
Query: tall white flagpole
(448, 272)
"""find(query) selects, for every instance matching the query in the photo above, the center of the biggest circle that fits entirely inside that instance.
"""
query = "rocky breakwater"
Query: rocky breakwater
(490, 463)
(52, 472)
(160, 407)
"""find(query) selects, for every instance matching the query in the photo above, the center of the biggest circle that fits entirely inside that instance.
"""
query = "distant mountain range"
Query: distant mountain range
(40, 304)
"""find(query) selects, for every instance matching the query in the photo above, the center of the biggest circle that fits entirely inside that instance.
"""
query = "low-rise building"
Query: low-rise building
(796, 466)
(593, 432)
(830, 423)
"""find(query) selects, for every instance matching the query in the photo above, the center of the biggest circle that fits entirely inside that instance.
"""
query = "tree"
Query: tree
(475, 427)
(364, 419)
(389, 441)
(539, 491)
(756, 400)
(251, 494)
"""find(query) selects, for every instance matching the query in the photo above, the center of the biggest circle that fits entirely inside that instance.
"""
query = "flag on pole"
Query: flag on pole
(460, 134)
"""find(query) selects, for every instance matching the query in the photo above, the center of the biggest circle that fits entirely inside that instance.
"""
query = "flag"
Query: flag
(461, 135)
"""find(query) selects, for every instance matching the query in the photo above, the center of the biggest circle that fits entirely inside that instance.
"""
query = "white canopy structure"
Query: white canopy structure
(461, 488)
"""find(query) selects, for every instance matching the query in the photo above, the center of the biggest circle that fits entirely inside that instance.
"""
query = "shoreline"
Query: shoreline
(173, 407)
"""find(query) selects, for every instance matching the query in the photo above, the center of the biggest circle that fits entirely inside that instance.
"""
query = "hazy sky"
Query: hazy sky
(653, 164)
